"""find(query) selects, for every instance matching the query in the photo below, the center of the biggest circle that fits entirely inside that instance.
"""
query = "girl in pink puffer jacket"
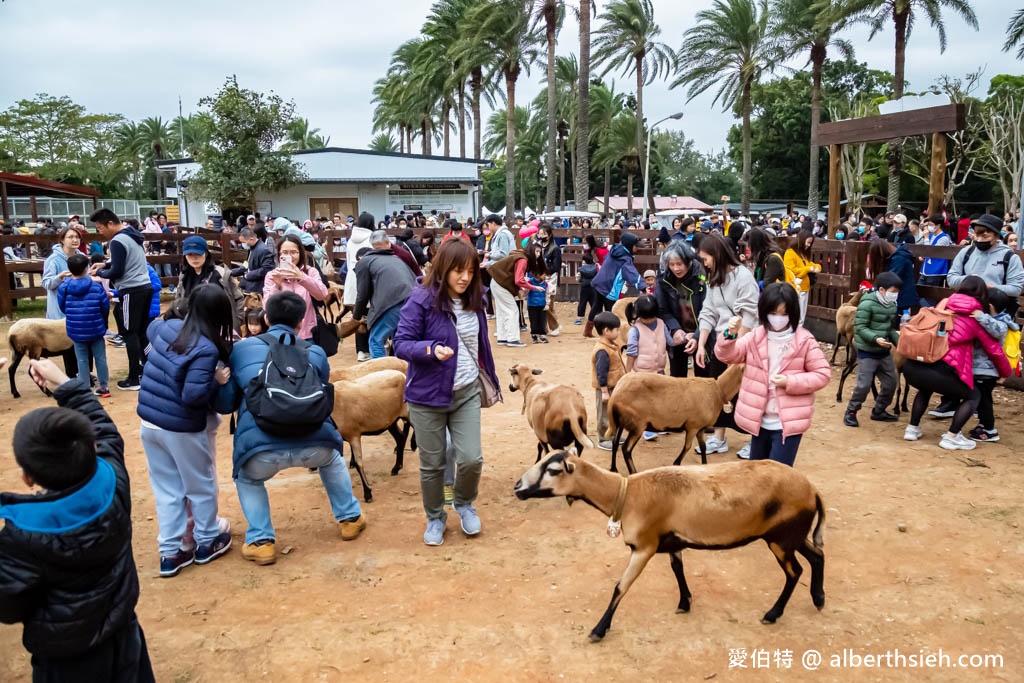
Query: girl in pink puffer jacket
(784, 368)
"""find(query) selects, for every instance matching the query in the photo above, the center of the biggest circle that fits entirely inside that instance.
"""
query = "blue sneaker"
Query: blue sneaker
(650, 436)
(170, 565)
(208, 552)
(434, 535)
(470, 521)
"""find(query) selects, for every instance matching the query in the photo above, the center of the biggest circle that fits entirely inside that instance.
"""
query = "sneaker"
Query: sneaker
(208, 552)
(535, 339)
(117, 341)
(449, 494)
(469, 521)
(744, 453)
(956, 442)
(650, 436)
(911, 433)
(850, 419)
(170, 565)
(577, 322)
(351, 528)
(490, 316)
(605, 445)
(942, 414)
(515, 344)
(502, 342)
(555, 332)
(128, 385)
(542, 339)
(362, 356)
(884, 416)
(102, 392)
(260, 552)
(524, 328)
(979, 433)
(714, 445)
(434, 535)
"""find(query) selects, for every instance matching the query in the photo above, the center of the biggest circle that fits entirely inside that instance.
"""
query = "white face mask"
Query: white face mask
(889, 297)
(778, 323)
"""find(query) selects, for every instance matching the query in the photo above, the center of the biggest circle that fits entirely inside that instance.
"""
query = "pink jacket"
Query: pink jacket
(806, 370)
(309, 287)
(967, 330)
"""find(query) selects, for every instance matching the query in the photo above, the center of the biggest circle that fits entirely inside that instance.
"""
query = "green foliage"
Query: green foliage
(241, 159)
(383, 143)
(493, 194)
(682, 169)
(1007, 87)
(303, 136)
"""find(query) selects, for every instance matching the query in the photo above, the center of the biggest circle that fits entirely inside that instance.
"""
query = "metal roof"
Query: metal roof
(348, 150)
(30, 186)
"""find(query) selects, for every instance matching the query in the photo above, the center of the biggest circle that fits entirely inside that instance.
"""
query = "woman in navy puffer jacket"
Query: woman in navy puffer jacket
(180, 379)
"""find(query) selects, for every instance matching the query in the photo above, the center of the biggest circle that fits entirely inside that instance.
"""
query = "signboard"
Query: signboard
(412, 207)
(429, 186)
(264, 208)
(211, 209)
(172, 213)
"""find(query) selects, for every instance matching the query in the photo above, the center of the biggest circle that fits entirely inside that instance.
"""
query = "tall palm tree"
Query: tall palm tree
(302, 136)
(619, 147)
(581, 171)
(1015, 34)
(474, 58)
(505, 28)
(605, 106)
(383, 142)
(154, 135)
(432, 69)
(565, 104)
(902, 13)
(550, 13)
(627, 40)
(731, 46)
(189, 132)
(812, 25)
(442, 25)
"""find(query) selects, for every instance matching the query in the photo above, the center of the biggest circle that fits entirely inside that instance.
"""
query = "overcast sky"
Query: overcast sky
(136, 58)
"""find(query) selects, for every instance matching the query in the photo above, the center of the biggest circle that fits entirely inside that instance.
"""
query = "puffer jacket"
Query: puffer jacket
(67, 572)
(902, 264)
(587, 273)
(806, 372)
(359, 239)
(176, 390)
(873, 320)
(154, 305)
(617, 273)
(965, 332)
(247, 359)
(85, 304)
(997, 327)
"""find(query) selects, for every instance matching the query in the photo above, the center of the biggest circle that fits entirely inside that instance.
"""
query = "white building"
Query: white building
(350, 181)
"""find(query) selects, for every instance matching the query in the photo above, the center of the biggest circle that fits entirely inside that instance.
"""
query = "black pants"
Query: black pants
(522, 320)
(986, 412)
(679, 364)
(362, 342)
(939, 377)
(600, 305)
(485, 277)
(135, 304)
(538, 320)
(714, 368)
(122, 658)
(586, 297)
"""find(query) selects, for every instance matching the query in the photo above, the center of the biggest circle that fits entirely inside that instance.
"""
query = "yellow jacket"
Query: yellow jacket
(801, 268)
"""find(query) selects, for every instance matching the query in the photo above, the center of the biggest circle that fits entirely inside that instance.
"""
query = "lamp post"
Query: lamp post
(647, 159)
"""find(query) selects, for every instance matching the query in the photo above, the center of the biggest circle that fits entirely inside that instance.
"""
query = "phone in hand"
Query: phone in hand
(286, 258)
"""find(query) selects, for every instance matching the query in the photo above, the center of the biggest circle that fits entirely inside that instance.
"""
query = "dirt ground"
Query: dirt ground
(517, 602)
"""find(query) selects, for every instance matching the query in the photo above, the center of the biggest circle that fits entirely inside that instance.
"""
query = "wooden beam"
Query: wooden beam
(944, 119)
(3, 200)
(835, 187)
(937, 181)
(33, 209)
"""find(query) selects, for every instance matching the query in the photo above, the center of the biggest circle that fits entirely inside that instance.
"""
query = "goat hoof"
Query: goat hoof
(769, 619)
(596, 637)
(683, 610)
(395, 470)
(819, 601)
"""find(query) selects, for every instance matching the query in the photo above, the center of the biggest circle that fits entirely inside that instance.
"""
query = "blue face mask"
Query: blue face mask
(245, 245)
(840, 235)
(861, 229)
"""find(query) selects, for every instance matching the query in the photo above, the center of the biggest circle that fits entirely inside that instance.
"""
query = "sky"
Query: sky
(136, 58)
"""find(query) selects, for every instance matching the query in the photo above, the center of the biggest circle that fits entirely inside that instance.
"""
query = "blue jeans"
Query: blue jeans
(252, 494)
(383, 329)
(768, 445)
(99, 354)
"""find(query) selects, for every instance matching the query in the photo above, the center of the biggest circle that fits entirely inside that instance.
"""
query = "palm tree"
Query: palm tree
(809, 25)
(190, 132)
(383, 143)
(605, 107)
(441, 25)
(619, 147)
(474, 59)
(581, 189)
(153, 136)
(731, 46)
(506, 30)
(565, 104)
(627, 41)
(1015, 34)
(431, 76)
(550, 13)
(877, 14)
(302, 136)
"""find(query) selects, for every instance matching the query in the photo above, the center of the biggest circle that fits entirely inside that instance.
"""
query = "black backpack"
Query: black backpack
(287, 398)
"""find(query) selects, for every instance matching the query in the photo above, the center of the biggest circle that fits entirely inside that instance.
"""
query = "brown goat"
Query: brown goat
(669, 509)
(334, 297)
(555, 412)
(623, 310)
(365, 368)
(844, 325)
(39, 338)
(646, 401)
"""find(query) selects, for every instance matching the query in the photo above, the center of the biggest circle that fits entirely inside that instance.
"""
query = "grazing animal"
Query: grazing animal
(646, 401)
(334, 296)
(623, 308)
(252, 300)
(555, 412)
(39, 338)
(346, 328)
(844, 325)
(669, 509)
(367, 367)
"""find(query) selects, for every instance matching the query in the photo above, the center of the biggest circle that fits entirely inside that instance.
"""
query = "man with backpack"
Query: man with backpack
(280, 387)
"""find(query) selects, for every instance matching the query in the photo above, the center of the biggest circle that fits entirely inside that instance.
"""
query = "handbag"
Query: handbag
(325, 335)
(490, 394)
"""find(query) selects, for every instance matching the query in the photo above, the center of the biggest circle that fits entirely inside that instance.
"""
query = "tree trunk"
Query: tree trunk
(462, 120)
(894, 149)
(818, 60)
(550, 17)
(581, 176)
(510, 147)
(561, 173)
(629, 197)
(607, 189)
(424, 143)
(640, 146)
(446, 126)
(476, 84)
(746, 191)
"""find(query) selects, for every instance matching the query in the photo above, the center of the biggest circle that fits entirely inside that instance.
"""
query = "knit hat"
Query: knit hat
(194, 245)
(628, 240)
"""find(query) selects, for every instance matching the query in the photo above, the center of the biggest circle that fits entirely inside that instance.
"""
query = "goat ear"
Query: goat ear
(513, 372)
(569, 467)
(537, 372)
(570, 500)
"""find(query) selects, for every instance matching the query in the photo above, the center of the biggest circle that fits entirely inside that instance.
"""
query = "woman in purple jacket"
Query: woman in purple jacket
(442, 333)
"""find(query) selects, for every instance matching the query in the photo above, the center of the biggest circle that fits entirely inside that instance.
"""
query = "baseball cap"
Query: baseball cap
(194, 245)
(649, 273)
(250, 216)
(899, 218)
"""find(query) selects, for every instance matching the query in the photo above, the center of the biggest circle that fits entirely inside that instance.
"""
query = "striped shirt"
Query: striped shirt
(468, 327)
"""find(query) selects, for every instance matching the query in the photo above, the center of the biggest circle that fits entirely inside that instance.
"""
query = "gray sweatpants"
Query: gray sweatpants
(867, 370)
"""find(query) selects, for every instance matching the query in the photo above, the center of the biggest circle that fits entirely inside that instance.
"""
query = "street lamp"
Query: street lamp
(647, 159)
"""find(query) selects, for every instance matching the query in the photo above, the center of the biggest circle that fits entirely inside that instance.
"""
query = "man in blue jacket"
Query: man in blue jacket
(258, 456)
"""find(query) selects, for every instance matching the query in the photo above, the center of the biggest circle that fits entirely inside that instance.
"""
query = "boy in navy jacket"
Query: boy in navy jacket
(85, 304)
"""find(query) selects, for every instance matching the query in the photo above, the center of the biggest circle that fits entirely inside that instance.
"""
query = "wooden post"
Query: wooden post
(937, 181)
(33, 209)
(3, 201)
(225, 249)
(835, 187)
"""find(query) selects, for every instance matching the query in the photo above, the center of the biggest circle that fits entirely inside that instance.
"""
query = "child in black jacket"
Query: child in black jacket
(68, 573)
(587, 273)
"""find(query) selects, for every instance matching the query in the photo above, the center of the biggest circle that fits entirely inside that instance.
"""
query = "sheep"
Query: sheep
(367, 406)
(555, 412)
(646, 401)
(39, 338)
(669, 509)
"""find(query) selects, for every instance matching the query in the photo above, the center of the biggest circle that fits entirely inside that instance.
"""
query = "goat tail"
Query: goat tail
(580, 433)
(820, 505)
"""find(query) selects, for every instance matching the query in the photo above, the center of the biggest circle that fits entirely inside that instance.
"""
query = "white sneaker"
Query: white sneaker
(912, 433)
(956, 442)
(744, 453)
(555, 332)
(714, 445)
(362, 356)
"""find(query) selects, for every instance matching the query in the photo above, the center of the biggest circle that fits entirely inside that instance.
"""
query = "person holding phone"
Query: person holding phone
(294, 274)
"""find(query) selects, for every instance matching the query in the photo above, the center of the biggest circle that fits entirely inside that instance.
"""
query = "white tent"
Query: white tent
(527, 211)
(485, 211)
(569, 214)
(502, 211)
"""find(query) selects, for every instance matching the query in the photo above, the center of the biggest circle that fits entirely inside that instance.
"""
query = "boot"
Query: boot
(588, 330)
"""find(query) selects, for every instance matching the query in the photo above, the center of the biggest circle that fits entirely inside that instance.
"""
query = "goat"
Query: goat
(346, 328)
(368, 406)
(334, 296)
(669, 509)
(39, 338)
(365, 368)
(844, 325)
(623, 308)
(646, 401)
(555, 412)
(252, 300)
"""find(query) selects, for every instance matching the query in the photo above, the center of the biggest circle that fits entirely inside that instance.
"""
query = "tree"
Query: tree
(605, 107)
(301, 136)
(1015, 34)
(1003, 122)
(685, 170)
(877, 14)
(731, 46)
(551, 15)
(581, 172)
(443, 23)
(241, 159)
(383, 143)
(627, 41)
(812, 25)
(619, 147)
(474, 57)
(189, 132)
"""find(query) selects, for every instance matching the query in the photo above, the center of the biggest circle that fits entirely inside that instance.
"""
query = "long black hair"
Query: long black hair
(190, 279)
(209, 315)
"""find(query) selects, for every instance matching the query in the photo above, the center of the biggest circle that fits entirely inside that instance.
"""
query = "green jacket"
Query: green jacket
(874, 320)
